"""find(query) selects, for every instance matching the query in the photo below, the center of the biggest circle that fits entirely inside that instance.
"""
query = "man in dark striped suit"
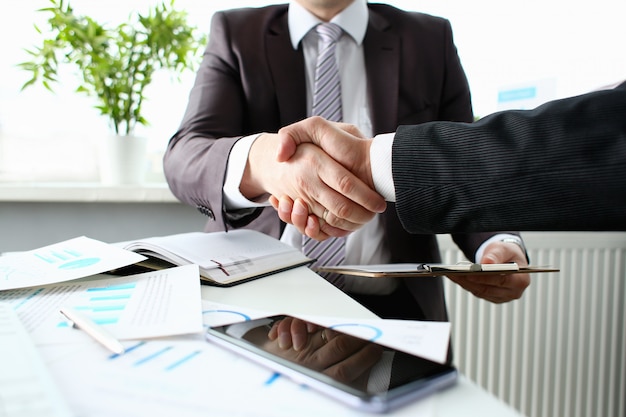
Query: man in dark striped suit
(559, 167)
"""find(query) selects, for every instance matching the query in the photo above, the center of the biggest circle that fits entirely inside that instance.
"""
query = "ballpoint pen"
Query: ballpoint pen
(98, 333)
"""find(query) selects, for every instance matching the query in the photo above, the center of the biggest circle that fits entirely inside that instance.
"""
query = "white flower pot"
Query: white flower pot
(123, 159)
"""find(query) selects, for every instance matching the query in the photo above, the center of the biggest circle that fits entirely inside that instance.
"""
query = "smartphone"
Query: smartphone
(358, 372)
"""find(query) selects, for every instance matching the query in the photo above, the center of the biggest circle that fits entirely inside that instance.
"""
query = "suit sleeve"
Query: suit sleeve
(559, 167)
(197, 154)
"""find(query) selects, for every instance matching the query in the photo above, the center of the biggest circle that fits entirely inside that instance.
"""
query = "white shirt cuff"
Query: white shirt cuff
(496, 238)
(380, 160)
(237, 160)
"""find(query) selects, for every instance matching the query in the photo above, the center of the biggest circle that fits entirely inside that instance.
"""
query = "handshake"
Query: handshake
(318, 176)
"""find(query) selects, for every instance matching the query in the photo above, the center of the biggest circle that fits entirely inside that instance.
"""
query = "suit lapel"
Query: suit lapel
(287, 69)
(382, 63)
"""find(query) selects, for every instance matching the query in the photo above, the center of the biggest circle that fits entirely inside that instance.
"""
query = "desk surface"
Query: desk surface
(63, 192)
(220, 383)
(301, 291)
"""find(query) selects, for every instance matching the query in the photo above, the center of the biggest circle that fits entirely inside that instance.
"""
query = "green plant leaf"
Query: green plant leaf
(115, 64)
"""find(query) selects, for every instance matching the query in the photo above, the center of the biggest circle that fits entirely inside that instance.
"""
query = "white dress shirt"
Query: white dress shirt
(365, 246)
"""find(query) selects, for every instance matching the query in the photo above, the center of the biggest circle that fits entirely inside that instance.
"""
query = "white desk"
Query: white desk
(220, 383)
(301, 291)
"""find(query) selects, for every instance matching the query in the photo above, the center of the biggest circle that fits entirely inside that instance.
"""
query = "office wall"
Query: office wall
(30, 225)
(573, 44)
(561, 349)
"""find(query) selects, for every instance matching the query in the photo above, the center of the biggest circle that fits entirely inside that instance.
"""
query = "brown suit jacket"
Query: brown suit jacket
(251, 80)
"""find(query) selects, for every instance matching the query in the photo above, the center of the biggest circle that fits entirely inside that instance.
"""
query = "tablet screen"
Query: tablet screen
(367, 374)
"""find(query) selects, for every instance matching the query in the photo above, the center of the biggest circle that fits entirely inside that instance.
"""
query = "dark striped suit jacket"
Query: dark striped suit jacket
(559, 167)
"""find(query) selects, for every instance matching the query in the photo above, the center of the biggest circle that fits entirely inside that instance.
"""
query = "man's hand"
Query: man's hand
(323, 184)
(497, 288)
(342, 141)
(292, 333)
(346, 358)
(345, 144)
(297, 214)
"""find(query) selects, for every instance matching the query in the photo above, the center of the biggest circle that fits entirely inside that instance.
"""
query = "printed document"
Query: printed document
(64, 261)
(152, 304)
(26, 386)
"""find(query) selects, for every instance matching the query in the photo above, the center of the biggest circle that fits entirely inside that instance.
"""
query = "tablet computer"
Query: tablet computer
(355, 371)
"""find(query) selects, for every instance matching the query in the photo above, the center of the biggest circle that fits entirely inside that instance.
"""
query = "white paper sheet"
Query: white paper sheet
(427, 339)
(184, 377)
(64, 261)
(26, 386)
(152, 304)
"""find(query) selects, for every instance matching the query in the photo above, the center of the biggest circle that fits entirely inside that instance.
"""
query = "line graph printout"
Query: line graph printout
(75, 258)
(152, 304)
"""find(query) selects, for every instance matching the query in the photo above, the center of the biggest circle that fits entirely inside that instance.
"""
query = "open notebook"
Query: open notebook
(224, 258)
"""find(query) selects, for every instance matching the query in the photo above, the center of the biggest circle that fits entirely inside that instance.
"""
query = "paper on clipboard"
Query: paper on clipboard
(408, 270)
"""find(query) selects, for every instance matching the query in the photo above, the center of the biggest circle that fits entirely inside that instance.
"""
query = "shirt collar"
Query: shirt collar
(353, 20)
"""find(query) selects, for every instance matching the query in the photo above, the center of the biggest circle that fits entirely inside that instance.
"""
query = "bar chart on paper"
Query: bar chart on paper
(63, 261)
(103, 305)
(38, 308)
(141, 306)
(161, 378)
(156, 357)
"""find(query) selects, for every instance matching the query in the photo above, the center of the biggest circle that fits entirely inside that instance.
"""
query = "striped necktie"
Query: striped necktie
(327, 94)
(327, 103)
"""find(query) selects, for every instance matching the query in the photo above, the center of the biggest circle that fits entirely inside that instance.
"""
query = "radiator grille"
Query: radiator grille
(561, 349)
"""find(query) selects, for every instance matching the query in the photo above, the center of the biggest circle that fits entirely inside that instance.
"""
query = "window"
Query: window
(572, 47)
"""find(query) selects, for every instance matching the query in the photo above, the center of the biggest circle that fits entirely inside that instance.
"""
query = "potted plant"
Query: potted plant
(115, 65)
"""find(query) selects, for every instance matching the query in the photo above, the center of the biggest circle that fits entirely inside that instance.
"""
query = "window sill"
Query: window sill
(62, 192)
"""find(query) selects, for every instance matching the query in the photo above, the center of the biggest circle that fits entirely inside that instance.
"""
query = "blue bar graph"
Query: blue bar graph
(182, 360)
(111, 297)
(128, 350)
(153, 356)
(126, 286)
(67, 258)
(272, 378)
(105, 305)
(99, 309)
(150, 356)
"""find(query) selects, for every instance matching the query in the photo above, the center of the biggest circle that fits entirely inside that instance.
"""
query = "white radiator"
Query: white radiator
(561, 349)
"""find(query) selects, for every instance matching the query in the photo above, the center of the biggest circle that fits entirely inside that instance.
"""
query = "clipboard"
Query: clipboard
(409, 270)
